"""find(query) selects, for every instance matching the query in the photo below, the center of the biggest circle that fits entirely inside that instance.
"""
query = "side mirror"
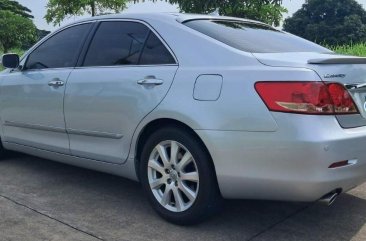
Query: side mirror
(10, 61)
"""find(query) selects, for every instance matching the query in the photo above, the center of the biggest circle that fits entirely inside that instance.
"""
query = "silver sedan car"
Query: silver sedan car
(197, 108)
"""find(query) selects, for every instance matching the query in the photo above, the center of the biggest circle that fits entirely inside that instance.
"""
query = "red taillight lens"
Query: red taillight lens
(342, 100)
(306, 97)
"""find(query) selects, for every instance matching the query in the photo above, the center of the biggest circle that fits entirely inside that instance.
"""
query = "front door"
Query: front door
(32, 109)
(126, 73)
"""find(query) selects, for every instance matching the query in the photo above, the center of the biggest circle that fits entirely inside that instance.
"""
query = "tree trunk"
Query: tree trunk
(93, 8)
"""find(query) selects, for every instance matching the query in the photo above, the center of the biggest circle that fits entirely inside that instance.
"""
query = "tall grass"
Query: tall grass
(351, 49)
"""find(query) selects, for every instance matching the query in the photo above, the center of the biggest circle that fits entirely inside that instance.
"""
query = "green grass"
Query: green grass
(351, 49)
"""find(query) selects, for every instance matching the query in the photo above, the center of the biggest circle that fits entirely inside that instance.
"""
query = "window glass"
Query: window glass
(155, 52)
(116, 43)
(60, 51)
(253, 37)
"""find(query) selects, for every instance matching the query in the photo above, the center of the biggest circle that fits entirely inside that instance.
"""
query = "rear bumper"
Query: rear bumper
(290, 164)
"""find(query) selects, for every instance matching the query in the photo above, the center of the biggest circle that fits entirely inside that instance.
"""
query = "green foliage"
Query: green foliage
(329, 21)
(15, 7)
(350, 49)
(58, 10)
(16, 26)
(15, 30)
(268, 11)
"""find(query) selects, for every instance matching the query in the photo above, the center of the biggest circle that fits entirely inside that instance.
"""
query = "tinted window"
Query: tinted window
(254, 38)
(59, 51)
(116, 43)
(155, 52)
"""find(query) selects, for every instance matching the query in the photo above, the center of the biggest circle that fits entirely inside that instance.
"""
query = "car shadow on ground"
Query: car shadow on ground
(115, 208)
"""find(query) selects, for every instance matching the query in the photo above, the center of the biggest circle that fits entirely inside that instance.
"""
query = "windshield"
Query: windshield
(254, 37)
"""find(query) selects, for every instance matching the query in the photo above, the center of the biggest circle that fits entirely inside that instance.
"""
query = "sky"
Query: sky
(38, 8)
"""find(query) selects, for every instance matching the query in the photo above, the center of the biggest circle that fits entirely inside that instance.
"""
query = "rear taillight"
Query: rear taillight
(316, 98)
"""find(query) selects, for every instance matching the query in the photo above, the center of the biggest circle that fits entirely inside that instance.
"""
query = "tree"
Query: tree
(15, 7)
(15, 30)
(329, 22)
(268, 11)
(58, 10)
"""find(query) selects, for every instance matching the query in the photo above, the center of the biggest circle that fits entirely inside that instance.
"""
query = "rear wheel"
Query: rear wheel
(3, 152)
(177, 175)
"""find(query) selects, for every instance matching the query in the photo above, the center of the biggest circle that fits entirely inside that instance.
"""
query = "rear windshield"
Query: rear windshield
(253, 37)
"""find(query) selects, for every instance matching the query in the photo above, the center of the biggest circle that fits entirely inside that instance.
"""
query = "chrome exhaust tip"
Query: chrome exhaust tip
(329, 198)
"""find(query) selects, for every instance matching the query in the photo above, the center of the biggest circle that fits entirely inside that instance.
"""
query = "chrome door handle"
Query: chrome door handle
(150, 80)
(56, 83)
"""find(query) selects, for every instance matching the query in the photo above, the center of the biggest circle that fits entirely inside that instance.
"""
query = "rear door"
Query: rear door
(125, 74)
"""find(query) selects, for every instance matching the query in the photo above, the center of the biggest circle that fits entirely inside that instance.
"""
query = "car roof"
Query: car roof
(166, 17)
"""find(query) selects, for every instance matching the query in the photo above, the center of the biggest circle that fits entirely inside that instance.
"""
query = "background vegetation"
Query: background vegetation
(268, 11)
(334, 22)
(340, 25)
(351, 49)
(17, 29)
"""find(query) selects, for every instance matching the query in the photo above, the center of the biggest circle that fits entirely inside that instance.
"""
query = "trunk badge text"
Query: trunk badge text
(328, 76)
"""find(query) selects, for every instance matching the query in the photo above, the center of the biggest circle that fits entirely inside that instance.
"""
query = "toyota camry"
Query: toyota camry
(196, 108)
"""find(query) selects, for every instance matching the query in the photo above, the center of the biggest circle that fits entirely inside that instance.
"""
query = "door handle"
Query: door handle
(56, 83)
(150, 80)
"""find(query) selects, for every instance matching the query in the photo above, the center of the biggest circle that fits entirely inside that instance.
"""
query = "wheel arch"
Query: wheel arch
(160, 123)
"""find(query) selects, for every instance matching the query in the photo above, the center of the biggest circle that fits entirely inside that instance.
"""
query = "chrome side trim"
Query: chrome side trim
(62, 130)
(94, 134)
(34, 126)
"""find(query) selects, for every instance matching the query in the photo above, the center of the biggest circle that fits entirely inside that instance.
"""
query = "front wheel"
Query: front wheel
(178, 176)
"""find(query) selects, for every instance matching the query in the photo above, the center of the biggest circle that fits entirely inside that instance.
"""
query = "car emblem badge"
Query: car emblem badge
(330, 76)
(364, 104)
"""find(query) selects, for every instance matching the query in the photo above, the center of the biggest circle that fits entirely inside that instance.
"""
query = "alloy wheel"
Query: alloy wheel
(173, 176)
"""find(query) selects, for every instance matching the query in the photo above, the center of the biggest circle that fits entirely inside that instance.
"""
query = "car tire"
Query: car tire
(177, 197)
(3, 152)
